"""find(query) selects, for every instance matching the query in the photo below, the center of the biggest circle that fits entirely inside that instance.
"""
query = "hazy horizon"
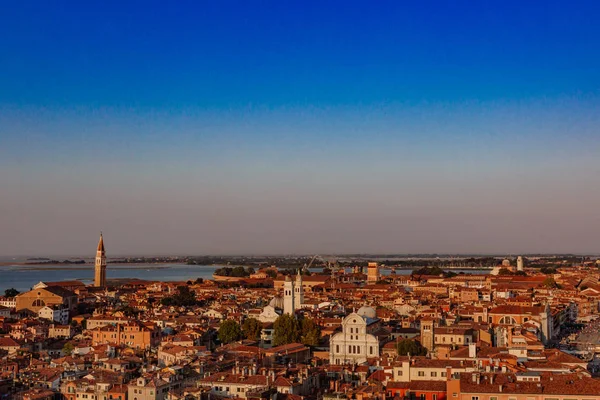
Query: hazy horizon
(300, 128)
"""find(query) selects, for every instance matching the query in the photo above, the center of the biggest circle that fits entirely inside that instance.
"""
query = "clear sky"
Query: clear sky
(299, 127)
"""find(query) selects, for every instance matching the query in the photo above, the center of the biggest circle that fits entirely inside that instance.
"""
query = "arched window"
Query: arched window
(38, 303)
(507, 320)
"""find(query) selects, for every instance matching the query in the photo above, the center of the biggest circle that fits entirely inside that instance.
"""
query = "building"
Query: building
(453, 335)
(427, 333)
(34, 300)
(520, 263)
(135, 335)
(524, 386)
(288, 296)
(298, 292)
(224, 384)
(100, 265)
(518, 315)
(8, 302)
(293, 294)
(60, 331)
(56, 313)
(372, 273)
(150, 388)
(356, 342)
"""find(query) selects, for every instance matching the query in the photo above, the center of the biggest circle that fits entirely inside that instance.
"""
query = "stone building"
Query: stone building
(356, 342)
(34, 300)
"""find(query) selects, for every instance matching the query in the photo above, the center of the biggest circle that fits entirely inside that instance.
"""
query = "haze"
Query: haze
(227, 128)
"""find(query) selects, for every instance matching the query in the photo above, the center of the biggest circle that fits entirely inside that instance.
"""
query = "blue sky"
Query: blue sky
(308, 127)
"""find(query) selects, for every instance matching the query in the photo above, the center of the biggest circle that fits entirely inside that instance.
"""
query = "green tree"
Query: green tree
(167, 301)
(271, 273)
(68, 348)
(286, 329)
(504, 271)
(548, 270)
(12, 292)
(252, 328)
(549, 282)
(229, 331)
(310, 332)
(409, 346)
(185, 297)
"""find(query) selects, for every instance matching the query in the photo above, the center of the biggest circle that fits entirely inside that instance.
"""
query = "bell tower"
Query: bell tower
(288, 296)
(298, 292)
(100, 265)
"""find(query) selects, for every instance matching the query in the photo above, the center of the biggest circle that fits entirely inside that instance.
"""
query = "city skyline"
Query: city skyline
(299, 128)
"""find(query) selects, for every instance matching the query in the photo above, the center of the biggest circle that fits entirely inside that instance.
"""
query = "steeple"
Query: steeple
(101, 243)
(288, 296)
(298, 291)
(100, 264)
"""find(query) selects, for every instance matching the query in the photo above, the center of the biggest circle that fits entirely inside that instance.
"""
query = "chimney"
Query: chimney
(472, 350)
(474, 378)
(500, 388)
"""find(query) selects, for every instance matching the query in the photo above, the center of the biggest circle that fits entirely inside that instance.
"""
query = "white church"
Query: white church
(356, 342)
(293, 298)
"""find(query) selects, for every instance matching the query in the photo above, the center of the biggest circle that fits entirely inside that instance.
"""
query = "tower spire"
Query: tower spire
(101, 243)
(100, 264)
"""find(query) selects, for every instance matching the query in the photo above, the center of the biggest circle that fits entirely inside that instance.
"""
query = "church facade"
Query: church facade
(355, 343)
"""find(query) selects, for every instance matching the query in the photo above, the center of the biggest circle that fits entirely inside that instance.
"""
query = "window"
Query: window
(443, 374)
(434, 374)
(337, 348)
(493, 398)
(422, 396)
(435, 397)
(474, 397)
(421, 373)
(454, 394)
(371, 349)
(507, 320)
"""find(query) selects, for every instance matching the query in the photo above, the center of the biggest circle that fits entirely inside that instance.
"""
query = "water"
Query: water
(23, 277)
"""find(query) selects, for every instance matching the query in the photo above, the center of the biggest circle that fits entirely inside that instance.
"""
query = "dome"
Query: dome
(276, 302)
(367, 312)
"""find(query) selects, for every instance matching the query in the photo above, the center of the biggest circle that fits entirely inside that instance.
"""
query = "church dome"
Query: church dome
(276, 302)
(367, 312)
